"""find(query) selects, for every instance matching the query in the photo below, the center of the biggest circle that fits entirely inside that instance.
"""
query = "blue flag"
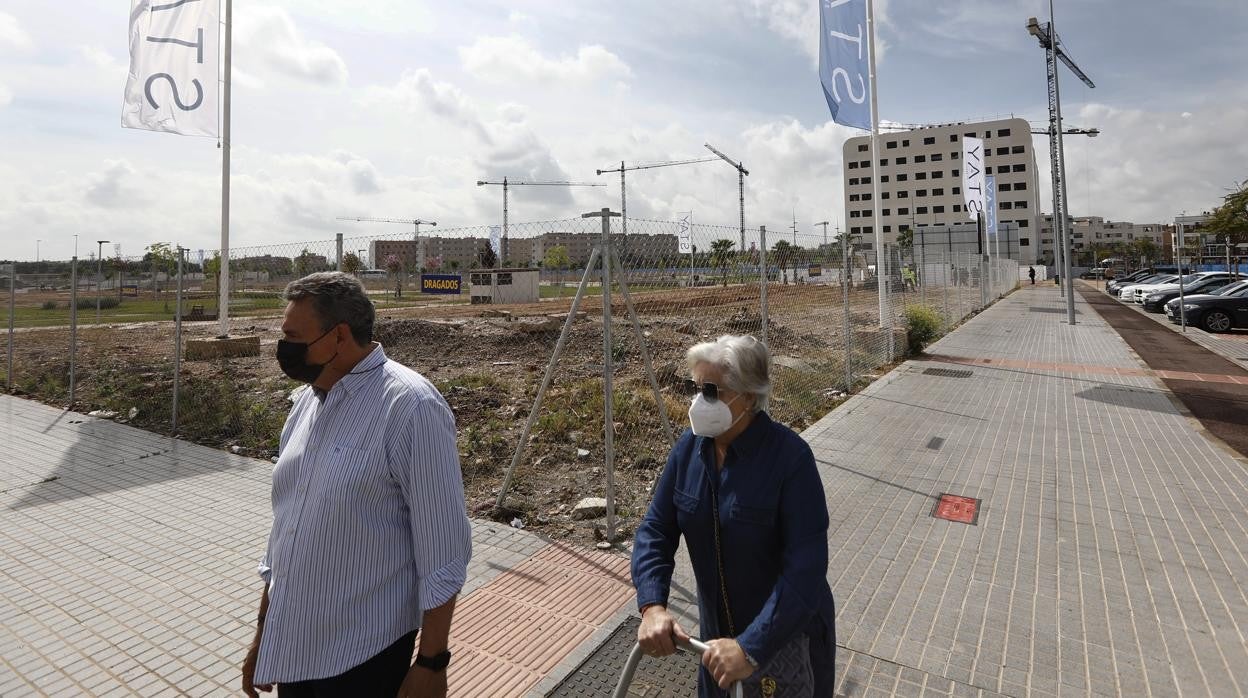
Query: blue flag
(990, 205)
(843, 61)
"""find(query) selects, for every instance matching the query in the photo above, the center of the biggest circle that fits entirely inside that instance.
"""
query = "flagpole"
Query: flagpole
(880, 257)
(223, 283)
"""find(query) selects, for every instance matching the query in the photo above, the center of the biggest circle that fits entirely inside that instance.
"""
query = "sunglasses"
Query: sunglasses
(710, 391)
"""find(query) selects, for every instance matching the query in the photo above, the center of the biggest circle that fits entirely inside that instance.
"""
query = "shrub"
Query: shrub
(923, 326)
(106, 302)
(49, 305)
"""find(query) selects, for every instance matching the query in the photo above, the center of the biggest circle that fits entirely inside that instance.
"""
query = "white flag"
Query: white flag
(686, 233)
(496, 237)
(172, 85)
(973, 176)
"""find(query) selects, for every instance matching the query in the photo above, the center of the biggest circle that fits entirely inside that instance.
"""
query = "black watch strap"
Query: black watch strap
(437, 662)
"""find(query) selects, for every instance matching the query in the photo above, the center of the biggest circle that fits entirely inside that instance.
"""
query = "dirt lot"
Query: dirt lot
(488, 361)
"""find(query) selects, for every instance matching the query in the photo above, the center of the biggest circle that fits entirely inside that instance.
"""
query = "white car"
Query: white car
(1127, 294)
(1142, 291)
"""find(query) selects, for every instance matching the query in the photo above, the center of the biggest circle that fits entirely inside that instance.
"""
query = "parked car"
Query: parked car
(1214, 312)
(1126, 292)
(1207, 282)
(1142, 291)
(1112, 287)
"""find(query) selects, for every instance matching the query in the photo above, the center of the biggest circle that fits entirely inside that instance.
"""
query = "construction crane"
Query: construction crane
(1072, 131)
(506, 183)
(643, 166)
(415, 222)
(1047, 35)
(742, 173)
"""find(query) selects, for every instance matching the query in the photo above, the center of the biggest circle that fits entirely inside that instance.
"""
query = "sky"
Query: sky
(395, 108)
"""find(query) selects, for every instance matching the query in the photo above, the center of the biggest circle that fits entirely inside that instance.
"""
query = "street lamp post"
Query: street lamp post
(99, 276)
(359, 254)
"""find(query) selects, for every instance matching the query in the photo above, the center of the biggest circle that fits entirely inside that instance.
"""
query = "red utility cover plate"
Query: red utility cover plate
(952, 507)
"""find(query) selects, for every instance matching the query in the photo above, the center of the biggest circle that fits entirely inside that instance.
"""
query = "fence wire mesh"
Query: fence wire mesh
(483, 326)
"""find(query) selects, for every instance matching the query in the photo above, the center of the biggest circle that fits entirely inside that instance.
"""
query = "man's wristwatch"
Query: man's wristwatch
(437, 662)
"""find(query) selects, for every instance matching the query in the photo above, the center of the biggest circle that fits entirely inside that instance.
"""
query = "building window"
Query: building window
(854, 197)
(888, 228)
(988, 169)
(1003, 187)
(866, 180)
(1017, 150)
(1024, 242)
(903, 211)
(864, 164)
(1021, 224)
(930, 140)
(905, 142)
(920, 175)
(900, 161)
(920, 193)
(1020, 186)
(883, 195)
(921, 210)
(853, 165)
(920, 158)
(862, 148)
(867, 230)
(938, 209)
(938, 174)
(953, 156)
(1003, 151)
(1020, 167)
(1023, 204)
(891, 145)
(885, 212)
(883, 162)
(938, 192)
(1004, 133)
(883, 179)
(853, 214)
(866, 197)
(956, 190)
(504, 279)
(957, 208)
(1005, 205)
(855, 230)
(970, 134)
(902, 177)
(953, 138)
(853, 181)
(867, 213)
(955, 173)
(902, 194)
(987, 134)
(937, 157)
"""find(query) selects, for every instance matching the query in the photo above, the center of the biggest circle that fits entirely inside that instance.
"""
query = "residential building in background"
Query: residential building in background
(1095, 232)
(921, 180)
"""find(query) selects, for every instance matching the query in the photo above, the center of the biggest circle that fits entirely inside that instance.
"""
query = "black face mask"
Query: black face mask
(292, 357)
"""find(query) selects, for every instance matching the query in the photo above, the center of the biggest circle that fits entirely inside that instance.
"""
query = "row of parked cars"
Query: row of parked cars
(1215, 301)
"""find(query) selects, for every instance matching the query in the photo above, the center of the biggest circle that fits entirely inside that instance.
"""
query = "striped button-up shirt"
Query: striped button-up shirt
(369, 524)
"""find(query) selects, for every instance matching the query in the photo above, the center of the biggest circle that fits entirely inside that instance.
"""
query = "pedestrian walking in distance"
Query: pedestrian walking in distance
(745, 493)
(1031, 274)
(370, 539)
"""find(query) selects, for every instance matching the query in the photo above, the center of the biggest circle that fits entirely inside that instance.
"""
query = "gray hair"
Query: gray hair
(744, 361)
(336, 298)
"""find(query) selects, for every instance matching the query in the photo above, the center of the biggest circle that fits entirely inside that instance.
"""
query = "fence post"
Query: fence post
(339, 243)
(177, 341)
(73, 328)
(762, 257)
(8, 374)
(846, 281)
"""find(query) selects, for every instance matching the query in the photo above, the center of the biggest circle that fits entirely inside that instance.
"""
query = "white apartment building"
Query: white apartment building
(1089, 232)
(921, 180)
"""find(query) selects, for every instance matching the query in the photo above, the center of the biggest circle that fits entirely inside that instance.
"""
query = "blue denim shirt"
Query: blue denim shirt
(774, 537)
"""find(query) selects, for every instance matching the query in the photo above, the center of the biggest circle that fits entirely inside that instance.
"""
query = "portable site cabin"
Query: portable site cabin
(495, 286)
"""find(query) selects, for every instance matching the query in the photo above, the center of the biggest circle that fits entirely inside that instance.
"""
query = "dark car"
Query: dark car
(1112, 286)
(1214, 312)
(1206, 284)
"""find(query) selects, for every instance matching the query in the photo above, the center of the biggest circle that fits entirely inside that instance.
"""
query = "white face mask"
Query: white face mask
(709, 418)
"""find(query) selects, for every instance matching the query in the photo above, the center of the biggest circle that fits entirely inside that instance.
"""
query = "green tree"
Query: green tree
(783, 252)
(721, 256)
(212, 268)
(486, 257)
(351, 263)
(394, 267)
(1230, 220)
(557, 258)
(160, 258)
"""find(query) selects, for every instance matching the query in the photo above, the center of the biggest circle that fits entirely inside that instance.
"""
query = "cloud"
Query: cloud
(6, 96)
(111, 188)
(798, 21)
(267, 40)
(512, 58)
(418, 91)
(12, 34)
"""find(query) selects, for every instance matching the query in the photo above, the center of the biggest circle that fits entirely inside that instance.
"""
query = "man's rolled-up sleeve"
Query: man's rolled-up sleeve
(424, 459)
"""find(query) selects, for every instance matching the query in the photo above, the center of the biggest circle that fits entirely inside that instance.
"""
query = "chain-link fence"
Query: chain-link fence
(483, 312)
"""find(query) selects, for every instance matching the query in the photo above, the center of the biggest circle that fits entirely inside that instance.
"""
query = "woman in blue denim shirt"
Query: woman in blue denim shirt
(763, 593)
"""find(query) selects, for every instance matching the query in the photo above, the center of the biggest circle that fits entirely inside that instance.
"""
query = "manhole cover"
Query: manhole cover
(935, 443)
(952, 507)
(948, 373)
(670, 677)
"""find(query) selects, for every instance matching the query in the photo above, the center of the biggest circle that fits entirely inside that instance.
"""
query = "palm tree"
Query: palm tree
(784, 253)
(721, 256)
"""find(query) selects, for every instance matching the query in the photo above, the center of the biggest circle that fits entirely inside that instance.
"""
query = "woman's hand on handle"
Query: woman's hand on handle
(659, 632)
(727, 663)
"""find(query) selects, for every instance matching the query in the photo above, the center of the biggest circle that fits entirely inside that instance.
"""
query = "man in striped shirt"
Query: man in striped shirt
(370, 539)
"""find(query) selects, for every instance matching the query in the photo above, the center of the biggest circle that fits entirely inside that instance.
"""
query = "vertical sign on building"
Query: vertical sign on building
(973, 176)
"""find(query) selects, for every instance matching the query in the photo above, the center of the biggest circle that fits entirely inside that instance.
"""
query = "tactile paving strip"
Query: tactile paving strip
(668, 677)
